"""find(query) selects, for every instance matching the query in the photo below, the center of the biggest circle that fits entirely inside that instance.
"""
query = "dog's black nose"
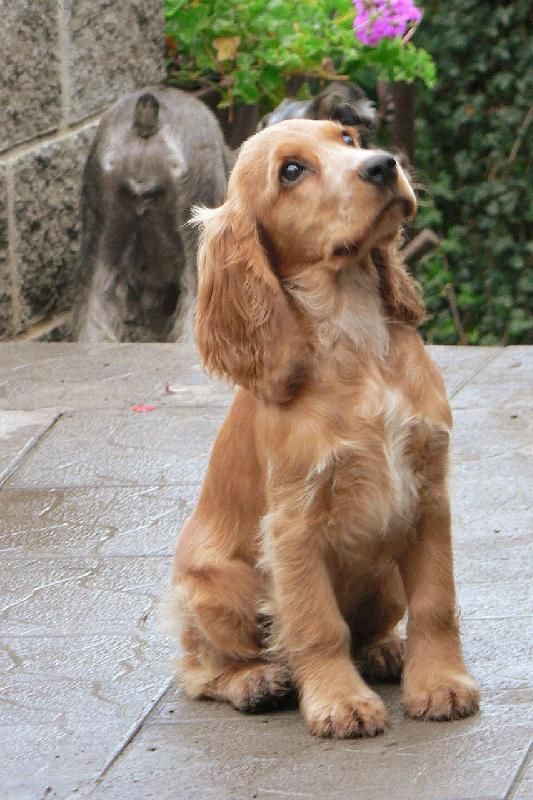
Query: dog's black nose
(380, 170)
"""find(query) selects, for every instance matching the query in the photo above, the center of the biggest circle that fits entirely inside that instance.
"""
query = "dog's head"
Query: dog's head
(342, 102)
(307, 202)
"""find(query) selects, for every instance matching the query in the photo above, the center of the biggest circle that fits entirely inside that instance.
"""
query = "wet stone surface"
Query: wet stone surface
(92, 495)
(19, 431)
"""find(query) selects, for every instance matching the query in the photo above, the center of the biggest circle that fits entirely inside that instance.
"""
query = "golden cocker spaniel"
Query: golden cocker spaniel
(324, 513)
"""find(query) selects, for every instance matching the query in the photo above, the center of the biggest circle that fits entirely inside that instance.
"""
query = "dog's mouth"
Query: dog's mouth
(405, 204)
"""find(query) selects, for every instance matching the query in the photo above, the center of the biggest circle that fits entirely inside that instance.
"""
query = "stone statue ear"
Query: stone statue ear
(146, 115)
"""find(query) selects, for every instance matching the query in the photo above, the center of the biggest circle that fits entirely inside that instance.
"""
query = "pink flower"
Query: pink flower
(377, 19)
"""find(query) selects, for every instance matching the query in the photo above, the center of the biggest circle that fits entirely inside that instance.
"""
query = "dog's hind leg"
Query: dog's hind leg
(381, 660)
(215, 608)
(251, 686)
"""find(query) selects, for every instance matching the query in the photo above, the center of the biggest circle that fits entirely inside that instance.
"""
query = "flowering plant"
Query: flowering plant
(378, 19)
(249, 50)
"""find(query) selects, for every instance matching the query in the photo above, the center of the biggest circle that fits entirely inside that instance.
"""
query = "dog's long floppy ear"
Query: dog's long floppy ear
(246, 327)
(400, 292)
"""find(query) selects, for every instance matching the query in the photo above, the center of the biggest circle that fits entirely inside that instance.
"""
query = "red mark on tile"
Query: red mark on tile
(141, 408)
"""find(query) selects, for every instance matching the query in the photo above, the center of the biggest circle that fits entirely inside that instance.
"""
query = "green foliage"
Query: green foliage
(474, 148)
(251, 49)
(474, 141)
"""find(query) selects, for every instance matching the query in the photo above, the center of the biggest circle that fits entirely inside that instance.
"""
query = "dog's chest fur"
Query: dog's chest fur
(372, 480)
(361, 496)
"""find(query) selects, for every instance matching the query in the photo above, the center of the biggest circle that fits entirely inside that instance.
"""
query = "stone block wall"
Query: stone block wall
(61, 63)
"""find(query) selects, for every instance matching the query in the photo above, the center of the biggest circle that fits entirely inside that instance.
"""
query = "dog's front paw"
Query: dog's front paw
(345, 717)
(451, 697)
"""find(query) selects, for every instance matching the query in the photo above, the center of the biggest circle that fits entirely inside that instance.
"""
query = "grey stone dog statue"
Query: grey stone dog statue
(344, 102)
(156, 153)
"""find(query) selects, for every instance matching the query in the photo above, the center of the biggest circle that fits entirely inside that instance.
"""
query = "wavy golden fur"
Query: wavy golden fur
(324, 513)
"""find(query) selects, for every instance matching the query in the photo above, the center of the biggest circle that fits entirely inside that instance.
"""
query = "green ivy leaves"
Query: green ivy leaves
(473, 151)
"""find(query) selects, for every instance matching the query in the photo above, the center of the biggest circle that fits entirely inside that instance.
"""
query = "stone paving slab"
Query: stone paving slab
(19, 432)
(71, 703)
(75, 376)
(92, 499)
(81, 656)
(507, 381)
(223, 755)
(65, 691)
(167, 446)
(72, 596)
(129, 521)
(524, 785)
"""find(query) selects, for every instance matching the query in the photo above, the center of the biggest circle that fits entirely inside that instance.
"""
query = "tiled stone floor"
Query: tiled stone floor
(91, 498)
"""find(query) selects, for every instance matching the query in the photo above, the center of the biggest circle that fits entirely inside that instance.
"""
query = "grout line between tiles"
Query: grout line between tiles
(488, 360)
(30, 446)
(515, 783)
(130, 736)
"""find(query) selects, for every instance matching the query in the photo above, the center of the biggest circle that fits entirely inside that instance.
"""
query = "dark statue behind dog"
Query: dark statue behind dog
(156, 153)
(344, 102)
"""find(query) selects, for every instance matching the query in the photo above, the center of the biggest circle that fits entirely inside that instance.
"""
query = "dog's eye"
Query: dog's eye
(348, 138)
(291, 171)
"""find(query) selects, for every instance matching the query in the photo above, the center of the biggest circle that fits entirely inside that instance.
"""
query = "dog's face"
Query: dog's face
(305, 203)
(317, 195)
